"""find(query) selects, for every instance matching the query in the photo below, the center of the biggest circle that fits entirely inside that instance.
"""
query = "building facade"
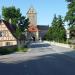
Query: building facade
(7, 37)
(37, 31)
(33, 30)
(6, 34)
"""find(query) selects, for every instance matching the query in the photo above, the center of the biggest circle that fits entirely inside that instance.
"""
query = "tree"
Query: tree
(20, 22)
(11, 13)
(57, 31)
(54, 27)
(70, 0)
(50, 34)
(70, 16)
(16, 17)
(23, 23)
(61, 30)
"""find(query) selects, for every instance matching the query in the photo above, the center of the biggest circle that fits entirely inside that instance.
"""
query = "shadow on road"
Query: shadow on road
(50, 64)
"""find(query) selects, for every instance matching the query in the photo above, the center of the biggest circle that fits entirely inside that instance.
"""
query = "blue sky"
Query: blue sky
(45, 8)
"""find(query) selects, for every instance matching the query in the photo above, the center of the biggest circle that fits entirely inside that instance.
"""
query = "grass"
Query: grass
(23, 49)
(7, 50)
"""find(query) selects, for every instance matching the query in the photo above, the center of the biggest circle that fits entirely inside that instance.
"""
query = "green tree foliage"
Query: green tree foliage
(17, 20)
(61, 32)
(23, 23)
(49, 35)
(54, 27)
(70, 0)
(57, 31)
(11, 13)
(20, 22)
(70, 17)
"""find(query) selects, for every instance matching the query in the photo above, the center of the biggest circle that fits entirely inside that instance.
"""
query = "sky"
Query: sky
(45, 8)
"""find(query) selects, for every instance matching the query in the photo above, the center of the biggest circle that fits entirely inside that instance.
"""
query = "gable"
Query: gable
(5, 32)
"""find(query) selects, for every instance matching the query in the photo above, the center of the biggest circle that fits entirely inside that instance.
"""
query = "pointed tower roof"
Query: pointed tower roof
(31, 10)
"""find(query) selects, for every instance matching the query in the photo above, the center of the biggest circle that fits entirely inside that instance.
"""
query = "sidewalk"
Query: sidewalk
(63, 50)
(58, 49)
(66, 51)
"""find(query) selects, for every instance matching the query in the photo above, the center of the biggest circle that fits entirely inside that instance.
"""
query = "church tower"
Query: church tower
(32, 15)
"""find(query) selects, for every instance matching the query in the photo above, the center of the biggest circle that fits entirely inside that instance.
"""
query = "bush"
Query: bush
(10, 49)
(7, 50)
(23, 49)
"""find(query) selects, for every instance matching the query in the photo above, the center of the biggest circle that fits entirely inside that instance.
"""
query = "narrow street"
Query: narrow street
(41, 59)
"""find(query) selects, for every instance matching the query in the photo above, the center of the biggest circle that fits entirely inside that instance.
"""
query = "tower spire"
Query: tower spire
(32, 15)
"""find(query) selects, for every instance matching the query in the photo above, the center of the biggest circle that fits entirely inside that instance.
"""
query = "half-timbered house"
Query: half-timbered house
(7, 37)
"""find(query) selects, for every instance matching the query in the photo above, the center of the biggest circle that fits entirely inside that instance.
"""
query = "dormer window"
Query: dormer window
(0, 33)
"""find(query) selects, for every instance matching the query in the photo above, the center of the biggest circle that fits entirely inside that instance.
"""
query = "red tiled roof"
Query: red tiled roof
(32, 28)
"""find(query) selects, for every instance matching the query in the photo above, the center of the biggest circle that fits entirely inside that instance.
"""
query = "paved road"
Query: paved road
(41, 59)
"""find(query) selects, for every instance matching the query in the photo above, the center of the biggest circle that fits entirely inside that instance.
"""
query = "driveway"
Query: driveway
(41, 59)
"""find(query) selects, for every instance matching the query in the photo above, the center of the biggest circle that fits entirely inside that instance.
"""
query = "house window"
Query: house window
(0, 34)
(8, 43)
